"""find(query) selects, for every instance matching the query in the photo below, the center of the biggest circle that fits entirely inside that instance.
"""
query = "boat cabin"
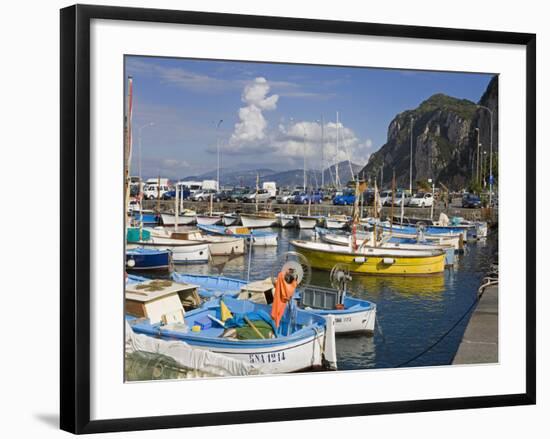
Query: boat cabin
(161, 301)
(260, 291)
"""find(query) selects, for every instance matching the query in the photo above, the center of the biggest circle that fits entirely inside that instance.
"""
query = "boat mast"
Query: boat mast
(322, 152)
(392, 201)
(128, 148)
(337, 150)
(257, 189)
(218, 148)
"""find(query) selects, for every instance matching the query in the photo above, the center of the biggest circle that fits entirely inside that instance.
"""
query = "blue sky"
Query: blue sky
(271, 113)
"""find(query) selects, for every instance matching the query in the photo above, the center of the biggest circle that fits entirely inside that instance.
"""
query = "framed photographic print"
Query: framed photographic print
(249, 201)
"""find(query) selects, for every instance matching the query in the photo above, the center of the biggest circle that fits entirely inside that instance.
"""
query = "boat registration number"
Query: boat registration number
(271, 357)
(342, 319)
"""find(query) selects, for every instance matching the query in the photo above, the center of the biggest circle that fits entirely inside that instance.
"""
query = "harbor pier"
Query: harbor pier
(480, 340)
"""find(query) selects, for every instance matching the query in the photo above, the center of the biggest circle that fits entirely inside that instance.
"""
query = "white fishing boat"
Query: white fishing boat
(307, 222)
(185, 218)
(218, 245)
(260, 238)
(303, 341)
(258, 220)
(230, 219)
(286, 220)
(210, 219)
(336, 221)
(183, 252)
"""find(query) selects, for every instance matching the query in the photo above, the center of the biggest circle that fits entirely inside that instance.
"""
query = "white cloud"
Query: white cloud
(251, 128)
(291, 141)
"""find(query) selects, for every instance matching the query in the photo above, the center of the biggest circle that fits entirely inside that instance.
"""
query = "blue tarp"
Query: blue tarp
(237, 321)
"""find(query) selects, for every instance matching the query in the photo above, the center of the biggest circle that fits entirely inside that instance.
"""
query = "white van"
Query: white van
(152, 191)
(271, 188)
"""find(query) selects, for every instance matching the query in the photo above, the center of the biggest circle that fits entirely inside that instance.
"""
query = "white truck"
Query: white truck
(210, 185)
(271, 188)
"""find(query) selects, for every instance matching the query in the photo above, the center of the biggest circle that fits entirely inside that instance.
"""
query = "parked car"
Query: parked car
(171, 194)
(471, 201)
(385, 198)
(306, 198)
(203, 195)
(421, 199)
(222, 196)
(402, 197)
(238, 194)
(284, 197)
(346, 198)
(260, 196)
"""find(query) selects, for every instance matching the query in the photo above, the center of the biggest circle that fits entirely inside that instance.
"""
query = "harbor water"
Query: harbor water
(420, 320)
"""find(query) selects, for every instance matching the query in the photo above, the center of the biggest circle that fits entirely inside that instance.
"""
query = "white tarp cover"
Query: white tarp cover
(202, 361)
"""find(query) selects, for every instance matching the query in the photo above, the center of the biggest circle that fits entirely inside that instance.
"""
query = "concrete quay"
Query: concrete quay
(480, 341)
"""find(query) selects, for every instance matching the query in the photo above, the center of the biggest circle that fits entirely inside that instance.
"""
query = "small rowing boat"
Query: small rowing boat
(185, 218)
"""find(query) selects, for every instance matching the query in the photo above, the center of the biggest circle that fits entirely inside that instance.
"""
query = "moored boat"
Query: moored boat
(285, 220)
(303, 340)
(336, 221)
(230, 219)
(210, 219)
(390, 242)
(183, 252)
(372, 260)
(185, 218)
(218, 245)
(148, 259)
(307, 222)
(258, 220)
(254, 237)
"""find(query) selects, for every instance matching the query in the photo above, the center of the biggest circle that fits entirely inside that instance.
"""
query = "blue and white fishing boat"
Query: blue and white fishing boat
(211, 286)
(254, 237)
(303, 340)
(353, 315)
(148, 259)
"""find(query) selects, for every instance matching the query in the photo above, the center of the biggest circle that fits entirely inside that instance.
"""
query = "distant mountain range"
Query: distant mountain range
(290, 178)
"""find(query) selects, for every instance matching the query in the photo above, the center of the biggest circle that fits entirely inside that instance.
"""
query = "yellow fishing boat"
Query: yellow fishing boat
(373, 260)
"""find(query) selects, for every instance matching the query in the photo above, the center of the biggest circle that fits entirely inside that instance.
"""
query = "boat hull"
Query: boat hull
(185, 253)
(307, 223)
(147, 259)
(183, 220)
(256, 238)
(225, 246)
(363, 263)
(286, 221)
(230, 220)
(335, 224)
(257, 222)
(206, 220)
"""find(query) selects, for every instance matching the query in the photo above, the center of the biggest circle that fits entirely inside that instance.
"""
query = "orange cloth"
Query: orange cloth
(283, 293)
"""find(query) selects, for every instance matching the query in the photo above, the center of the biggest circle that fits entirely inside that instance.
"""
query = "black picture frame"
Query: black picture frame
(75, 217)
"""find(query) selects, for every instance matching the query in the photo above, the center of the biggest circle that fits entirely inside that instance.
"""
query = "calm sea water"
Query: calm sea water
(412, 313)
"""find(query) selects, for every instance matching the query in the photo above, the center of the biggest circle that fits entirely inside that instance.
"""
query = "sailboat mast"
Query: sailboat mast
(337, 150)
(322, 151)
(128, 148)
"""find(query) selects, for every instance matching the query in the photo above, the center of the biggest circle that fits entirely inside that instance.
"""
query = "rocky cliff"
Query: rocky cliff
(444, 140)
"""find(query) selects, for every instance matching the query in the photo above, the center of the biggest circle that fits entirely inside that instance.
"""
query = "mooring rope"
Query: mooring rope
(487, 282)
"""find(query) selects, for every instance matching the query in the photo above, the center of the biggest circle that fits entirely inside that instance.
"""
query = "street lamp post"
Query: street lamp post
(477, 156)
(490, 155)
